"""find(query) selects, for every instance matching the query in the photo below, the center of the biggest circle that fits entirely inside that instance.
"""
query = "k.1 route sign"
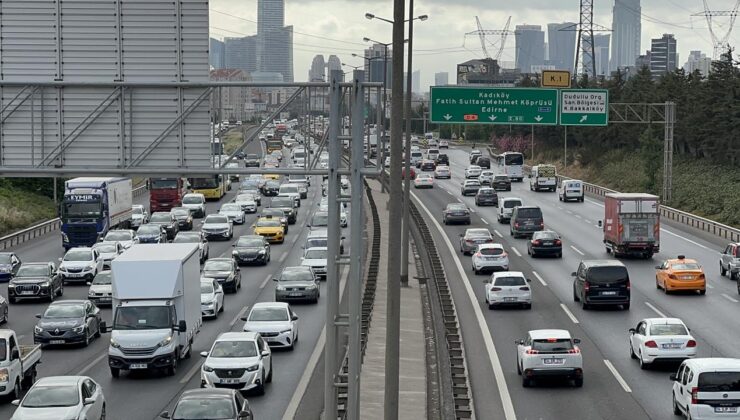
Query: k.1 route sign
(489, 105)
(584, 107)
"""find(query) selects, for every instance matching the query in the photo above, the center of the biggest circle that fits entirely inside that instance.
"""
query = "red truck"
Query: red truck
(632, 224)
(166, 193)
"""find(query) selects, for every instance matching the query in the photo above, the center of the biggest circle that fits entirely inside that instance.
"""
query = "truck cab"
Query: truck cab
(17, 364)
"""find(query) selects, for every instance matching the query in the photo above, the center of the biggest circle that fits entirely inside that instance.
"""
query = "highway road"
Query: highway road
(145, 396)
(614, 385)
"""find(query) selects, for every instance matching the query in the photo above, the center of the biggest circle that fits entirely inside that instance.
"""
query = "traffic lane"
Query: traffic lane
(506, 326)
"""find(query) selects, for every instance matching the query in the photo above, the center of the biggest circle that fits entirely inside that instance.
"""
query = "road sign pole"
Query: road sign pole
(565, 150)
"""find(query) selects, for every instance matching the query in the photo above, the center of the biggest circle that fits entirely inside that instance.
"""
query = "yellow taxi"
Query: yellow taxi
(680, 274)
(271, 176)
(270, 228)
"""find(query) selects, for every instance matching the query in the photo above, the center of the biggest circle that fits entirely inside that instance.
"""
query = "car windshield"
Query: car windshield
(545, 235)
(316, 254)
(118, 236)
(64, 311)
(719, 382)
(107, 248)
(186, 238)
(269, 314)
(231, 207)
(160, 218)
(206, 287)
(4, 258)
(192, 199)
(137, 210)
(239, 348)
(217, 265)
(163, 183)
(33, 271)
(510, 204)
(296, 275)
(491, 251)
(472, 183)
(52, 396)
(281, 202)
(78, 255)
(552, 345)
(668, 329)
(501, 178)
(244, 197)
(478, 233)
(509, 281)
(423, 176)
(486, 191)
(272, 212)
(207, 408)
(244, 242)
(268, 223)
(456, 207)
(252, 156)
(531, 213)
(216, 219)
(316, 242)
(685, 266)
(607, 274)
(102, 278)
(181, 212)
(272, 184)
(288, 189)
(143, 318)
(148, 230)
(320, 219)
(486, 173)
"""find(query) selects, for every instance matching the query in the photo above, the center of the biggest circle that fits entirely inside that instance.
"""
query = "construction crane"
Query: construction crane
(720, 44)
(503, 33)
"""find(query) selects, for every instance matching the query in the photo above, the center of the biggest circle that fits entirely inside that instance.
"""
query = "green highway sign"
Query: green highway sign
(490, 105)
(584, 107)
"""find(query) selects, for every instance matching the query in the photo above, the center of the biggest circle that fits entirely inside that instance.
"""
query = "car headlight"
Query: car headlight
(262, 252)
(44, 284)
(279, 287)
(285, 332)
(235, 253)
(311, 287)
(90, 267)
(79, 329)
(5, 269)
(253, 368)
(65, 238)
(114, 344)
(37, 329)
(3, 375)
(11, 285)
(207, 368)
(166, 341)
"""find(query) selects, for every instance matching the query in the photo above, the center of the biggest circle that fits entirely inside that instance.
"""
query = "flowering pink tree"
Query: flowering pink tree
(509, 143)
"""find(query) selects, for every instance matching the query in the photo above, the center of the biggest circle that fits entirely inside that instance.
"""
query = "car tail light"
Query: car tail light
(468, 241)
(629, 285)
(489, 240)
(477, 254)
(532, 351)
(524, 288)
(586, 286)
(536, 242)
(694, 395)
(558, 242)
(503, 255)
(691, 343)
(701, 277)
(495, 289)
(672, 277)
(542, 224)
(516, 224)
(574, 350)
(652, 344)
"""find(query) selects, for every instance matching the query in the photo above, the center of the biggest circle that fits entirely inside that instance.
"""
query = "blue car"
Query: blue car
(9, 264)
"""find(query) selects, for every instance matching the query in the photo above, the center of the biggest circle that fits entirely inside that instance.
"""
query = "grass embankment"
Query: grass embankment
(20, 209)
(700, 186)
(232, 139)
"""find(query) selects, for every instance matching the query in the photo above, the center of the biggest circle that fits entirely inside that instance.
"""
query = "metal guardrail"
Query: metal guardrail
(697, 222)
(40, 229)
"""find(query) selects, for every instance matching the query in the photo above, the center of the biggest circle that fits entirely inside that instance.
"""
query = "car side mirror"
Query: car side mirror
(233, 245)
(15, 354)
(244, 414)
(88, 401)
(576, 341)
(204, 354)
(529, 280)
(265, 353)
(38, 316)
(182, 326)
(519, 342)
(461, 235)
(294, 318)
(274, 279)
(103, 327)
(657, 267)
(89, 283)
(59, 259)
(343, 237)
(164, 414)
(573, 274)
(632, 330)
(16, 402)
(673, 377)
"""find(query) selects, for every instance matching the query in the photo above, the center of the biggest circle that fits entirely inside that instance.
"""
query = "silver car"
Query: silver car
(101, 289)
(472, 238)
(297, 283)
(234, 212)
(729, 262)
(62, 397)
(217, 226)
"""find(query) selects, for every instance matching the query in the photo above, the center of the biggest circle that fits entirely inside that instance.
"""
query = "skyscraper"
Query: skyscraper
(317, 72)
(561, 46)
(274, 40)
(416, 81)
(530, 47)
(216, 53)
(601, 54)
(663, 58)
(441, 78)
(698, 61)
(626, 28)
(241, 53)
(375, 66)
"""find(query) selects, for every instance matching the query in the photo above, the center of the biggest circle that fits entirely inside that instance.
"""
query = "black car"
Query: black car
(427, 165)
(601, 282)
(483, 162)
(152, 234)
(456, 213)
(442, 159)
(225, 271)
(251, 249)
(501, 183)
(279, 213)
(184, 218)
(287, 205)
(35, 281)
(166, 219)
(486, 197)
(525, 220)
(210, 404)
(68, 322)
(271, 188)
(545, 242)
(252, 160)
(9, 264)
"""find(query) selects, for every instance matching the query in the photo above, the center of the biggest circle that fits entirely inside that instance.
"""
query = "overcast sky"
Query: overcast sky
(338, 26)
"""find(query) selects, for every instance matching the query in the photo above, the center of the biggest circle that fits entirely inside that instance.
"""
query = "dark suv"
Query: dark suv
(525, 220)
(601, 282)
(483, 162)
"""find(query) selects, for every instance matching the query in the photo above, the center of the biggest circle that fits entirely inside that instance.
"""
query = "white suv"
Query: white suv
(707, 388)
(237, 360)
(549, 353)
(196, 202)
(490, 257)
(508, 288)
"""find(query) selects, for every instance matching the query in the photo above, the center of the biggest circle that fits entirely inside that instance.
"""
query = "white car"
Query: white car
(490, 257)
(196, 202)
(343, 218)
(661, 339)
(506, 208)
(344, 182)
(387, 162)
(62, 397)
(442, 171)
(549, 353)
(486, 177)
(508, 288)
(217, 226)
(239, 352)
(211, 297)
(472, 171)
(444, 144)
(424, 180)
(246, 202)
(126, 237)
(275, 321)
(316, 258)
(108, 251)
(80, 264)
(101, 289)
(139, 215)
(291, 190)
(234, 212)
(707, 388)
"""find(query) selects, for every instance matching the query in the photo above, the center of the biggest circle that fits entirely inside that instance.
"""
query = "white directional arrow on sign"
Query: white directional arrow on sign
(492, 117)
(447, 117)
(584, 118)
(538, 118)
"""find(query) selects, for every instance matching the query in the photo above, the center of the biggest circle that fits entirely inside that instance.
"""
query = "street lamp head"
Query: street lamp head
(423, 17)
(369, 16)
(366, 39)
(354, 55)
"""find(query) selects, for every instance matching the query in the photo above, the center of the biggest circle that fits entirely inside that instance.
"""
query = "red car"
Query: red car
(412, 172)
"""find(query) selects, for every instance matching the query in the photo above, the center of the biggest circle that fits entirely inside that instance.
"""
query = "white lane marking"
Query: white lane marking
(498, 370)
(569, 212)
(544, 283)
(516, 251)
(577, 250)
(650, 305)
(283, 257)
(560, 207)
(617, 376)
(569, 313)
(300, 390)
(730, 298)
(484, 221)
(472, 210)
(710, 286)
(594, 202)
(188, 376)
(587, 221)
(93, 363)
(685, 239)
(236, 318)
(460, 200)
(498, 233)
(264, 282)
(579, 216)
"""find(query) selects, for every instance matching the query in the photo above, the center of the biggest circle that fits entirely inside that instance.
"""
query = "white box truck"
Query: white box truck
(156, 307)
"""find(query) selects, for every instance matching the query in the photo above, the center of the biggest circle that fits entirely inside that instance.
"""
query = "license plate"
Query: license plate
(553, 361)
(138, 366)
(295, 294)
(509, 299)
(672, 346)
(725, 409)
(547, 243)
(73, 275)
(27, 292)
(229, 381)
(687, 277)
(608, 293)
(56, 341)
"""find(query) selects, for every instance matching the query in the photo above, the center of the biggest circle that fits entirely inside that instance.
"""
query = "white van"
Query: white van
(570, 189)
(506, 208)
(707, 388)
(416, 157)
(543, 177)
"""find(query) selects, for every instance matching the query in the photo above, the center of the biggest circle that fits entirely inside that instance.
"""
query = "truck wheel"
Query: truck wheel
(5, 316)
(17, 390)
(172, 369)
(578, 382)
(11, 299)
(115, 372)
(61, 290)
